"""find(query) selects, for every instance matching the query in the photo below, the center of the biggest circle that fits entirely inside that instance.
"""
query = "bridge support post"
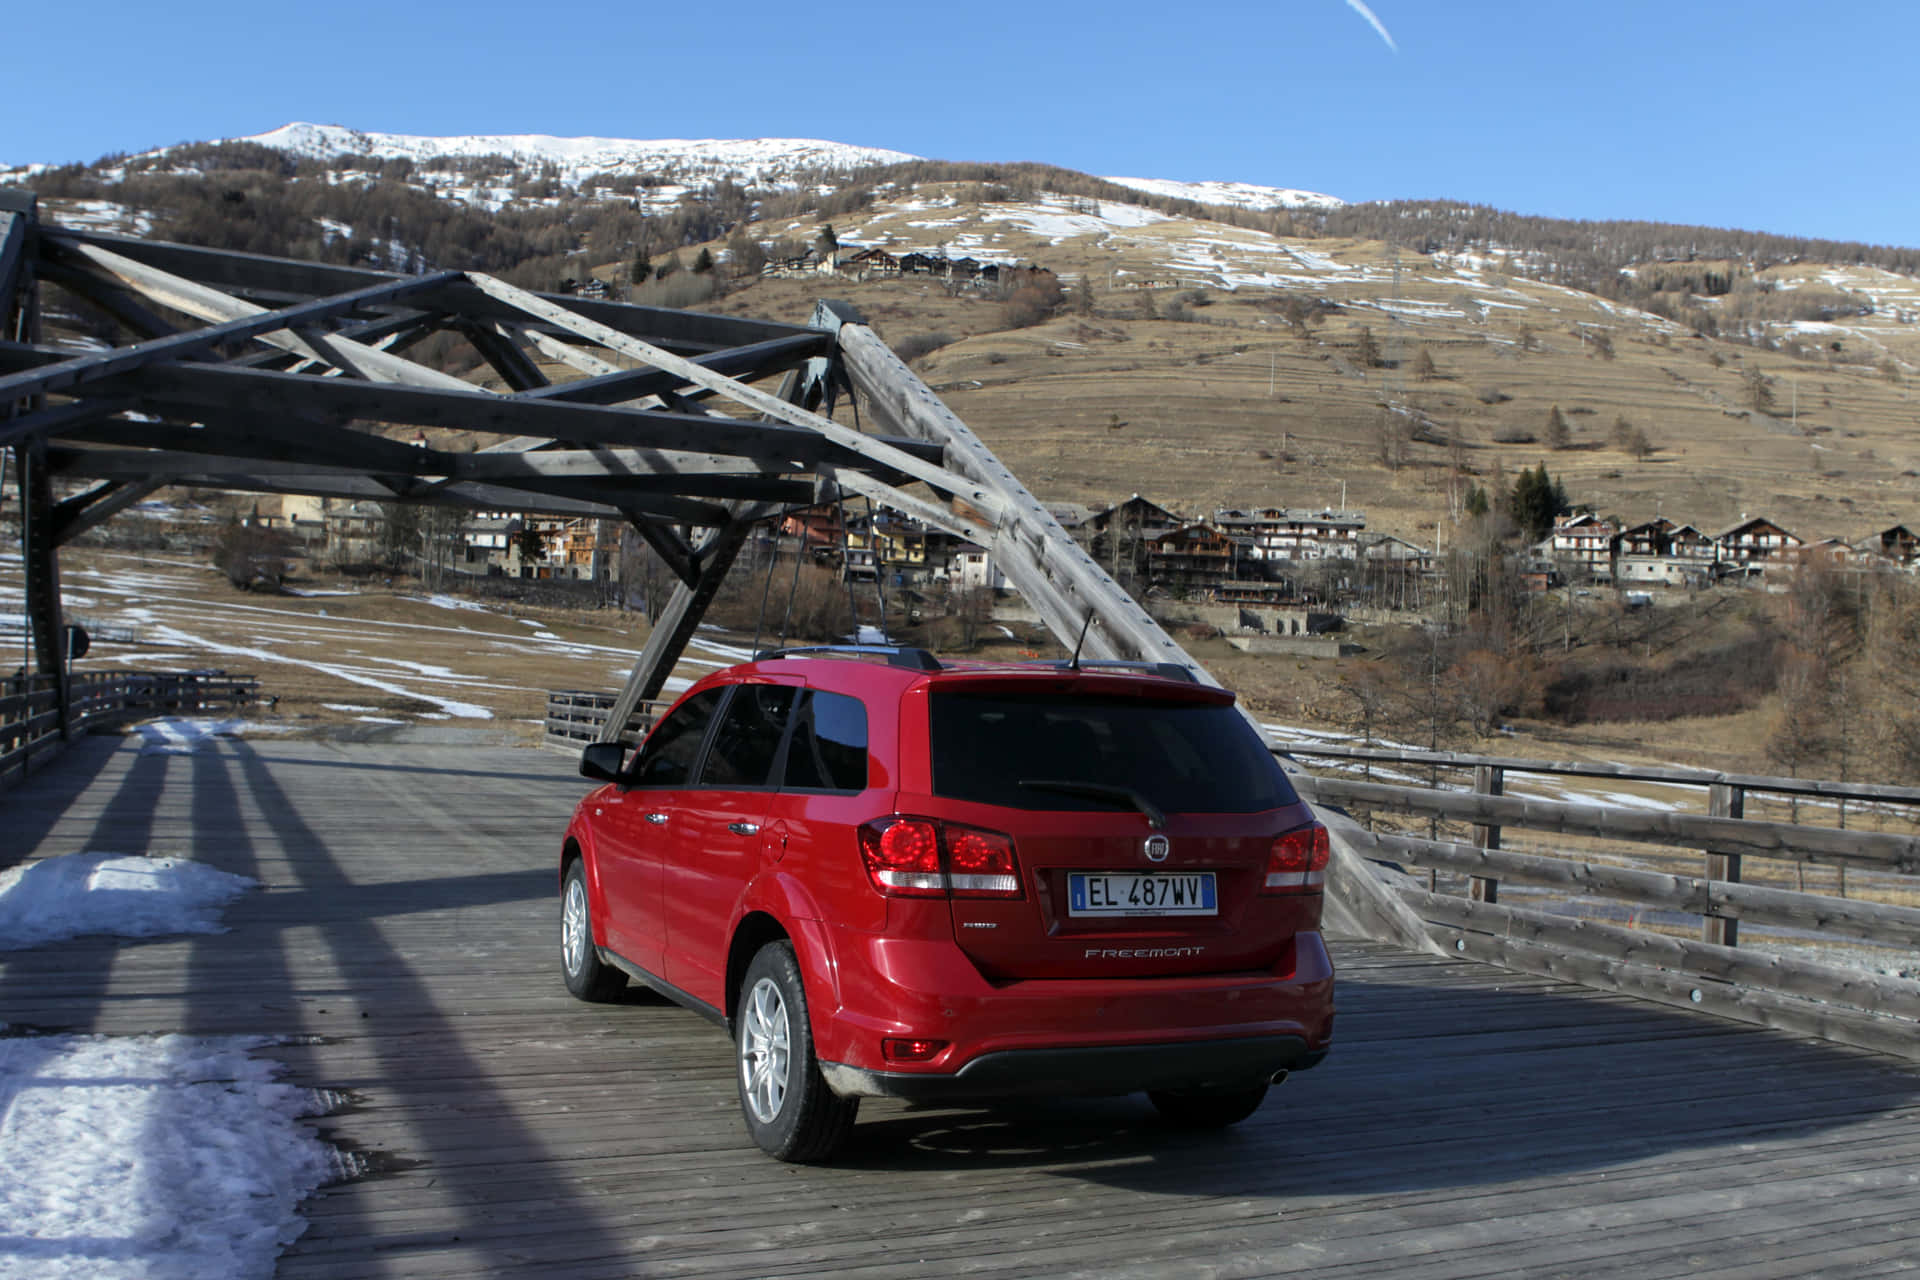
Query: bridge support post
(39, 537)
(675, 625)
(1723, 801)
(1488, 780)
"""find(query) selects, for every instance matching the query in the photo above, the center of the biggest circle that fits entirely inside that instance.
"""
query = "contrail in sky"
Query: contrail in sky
(1359, 7)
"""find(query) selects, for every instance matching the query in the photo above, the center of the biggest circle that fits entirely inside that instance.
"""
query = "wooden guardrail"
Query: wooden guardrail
(1795, 984)
(30, 707)
(576, 717)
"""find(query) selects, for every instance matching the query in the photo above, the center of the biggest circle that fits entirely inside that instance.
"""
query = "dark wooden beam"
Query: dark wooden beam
(404, 326)
(129, 312)
(677, 623)
(80, 513)
(746, 363)
(179, 390)
(66, 375)
(670, 547)
(506, 357)
(58, 420)
(243, 436)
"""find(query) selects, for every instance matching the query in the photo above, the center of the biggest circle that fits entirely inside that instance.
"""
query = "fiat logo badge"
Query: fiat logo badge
(1156, 848)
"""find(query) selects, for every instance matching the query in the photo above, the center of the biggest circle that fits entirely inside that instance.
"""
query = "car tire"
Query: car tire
(587, 977)
(1207, 1108)
(789, 1109)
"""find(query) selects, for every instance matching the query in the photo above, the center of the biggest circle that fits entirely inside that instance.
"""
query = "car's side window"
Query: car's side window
(667, 758)
(749, 736)
(829, 747)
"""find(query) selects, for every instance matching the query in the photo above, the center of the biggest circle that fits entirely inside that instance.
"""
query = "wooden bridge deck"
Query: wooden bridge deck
(1470, 1122)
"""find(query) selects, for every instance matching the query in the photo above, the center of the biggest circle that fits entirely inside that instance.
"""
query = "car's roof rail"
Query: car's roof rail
(1166, 670)
(895, 654)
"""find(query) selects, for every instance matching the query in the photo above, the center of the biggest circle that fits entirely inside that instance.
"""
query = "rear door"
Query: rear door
(1141, 824)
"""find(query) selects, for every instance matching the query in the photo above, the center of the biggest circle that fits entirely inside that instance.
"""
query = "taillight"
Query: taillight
(1297, 862)
(921, 858)
(899, 1049)
(904, 858)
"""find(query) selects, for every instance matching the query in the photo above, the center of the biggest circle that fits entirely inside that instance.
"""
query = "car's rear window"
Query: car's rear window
(1183, 757)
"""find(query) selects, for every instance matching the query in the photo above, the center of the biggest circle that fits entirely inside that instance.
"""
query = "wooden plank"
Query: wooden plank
(1743, 1004)
(1848, 917)
(1607, 769)
(1761, 839)
(1836, 984)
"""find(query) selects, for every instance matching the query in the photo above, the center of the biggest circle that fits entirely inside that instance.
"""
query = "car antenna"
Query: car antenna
(1073, 663)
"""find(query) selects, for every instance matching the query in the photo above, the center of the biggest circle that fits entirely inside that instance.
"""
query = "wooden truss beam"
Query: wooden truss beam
(83, 511)
(64, 377)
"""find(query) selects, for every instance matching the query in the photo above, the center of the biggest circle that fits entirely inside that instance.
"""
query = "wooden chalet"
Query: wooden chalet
(1898, 544)
(1391, 549)
(865, 263)
(1280, 533)
(1831, 552)
(1193, 557)
(1663, 552)
(1755, 540)
(1584, 543)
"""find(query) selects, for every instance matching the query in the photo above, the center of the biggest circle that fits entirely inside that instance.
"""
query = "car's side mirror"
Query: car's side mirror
(601, 761)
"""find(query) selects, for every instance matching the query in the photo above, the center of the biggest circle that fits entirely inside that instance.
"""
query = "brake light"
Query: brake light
(921, 858)
(1297, 862)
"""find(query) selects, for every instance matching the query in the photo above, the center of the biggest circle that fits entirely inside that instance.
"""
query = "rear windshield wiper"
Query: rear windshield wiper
(1101, 791)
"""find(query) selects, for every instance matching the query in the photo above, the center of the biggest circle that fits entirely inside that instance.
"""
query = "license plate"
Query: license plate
(1123, 893)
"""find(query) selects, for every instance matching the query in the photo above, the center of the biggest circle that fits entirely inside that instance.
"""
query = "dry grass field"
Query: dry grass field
(1233, 407)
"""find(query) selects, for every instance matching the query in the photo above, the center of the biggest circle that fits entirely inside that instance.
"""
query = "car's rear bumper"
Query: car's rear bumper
(1087, 1070)
(1062, 1036)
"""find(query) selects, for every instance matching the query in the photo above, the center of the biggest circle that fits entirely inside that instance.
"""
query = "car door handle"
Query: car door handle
(744, 828)
(657, 819)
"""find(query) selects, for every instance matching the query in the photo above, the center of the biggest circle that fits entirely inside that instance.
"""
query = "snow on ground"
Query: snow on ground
(177, 736)
(448, 602)
(170, 1157)
(133, 897)
(154, 1157)
(1239, 194)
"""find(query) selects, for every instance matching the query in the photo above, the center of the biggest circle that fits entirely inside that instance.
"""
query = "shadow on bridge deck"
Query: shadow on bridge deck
(1470, 1121)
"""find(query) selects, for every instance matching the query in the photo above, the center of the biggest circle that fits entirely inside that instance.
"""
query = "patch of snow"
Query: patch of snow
(449, 602)
(125, 895)
(1241, 195)
(176, 736)
(152, 1156)
(347, 706)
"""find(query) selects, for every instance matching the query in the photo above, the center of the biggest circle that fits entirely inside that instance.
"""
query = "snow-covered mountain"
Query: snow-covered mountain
(755, 161)
(691, 163)
(1238, 194)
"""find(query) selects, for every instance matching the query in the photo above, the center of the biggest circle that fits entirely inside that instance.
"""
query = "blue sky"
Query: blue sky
(1795, 117)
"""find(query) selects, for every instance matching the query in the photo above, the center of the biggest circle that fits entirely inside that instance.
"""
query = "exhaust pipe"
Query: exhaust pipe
(1279, 1077)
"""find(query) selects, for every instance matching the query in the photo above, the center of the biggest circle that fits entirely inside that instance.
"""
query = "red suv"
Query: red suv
(889, 876)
